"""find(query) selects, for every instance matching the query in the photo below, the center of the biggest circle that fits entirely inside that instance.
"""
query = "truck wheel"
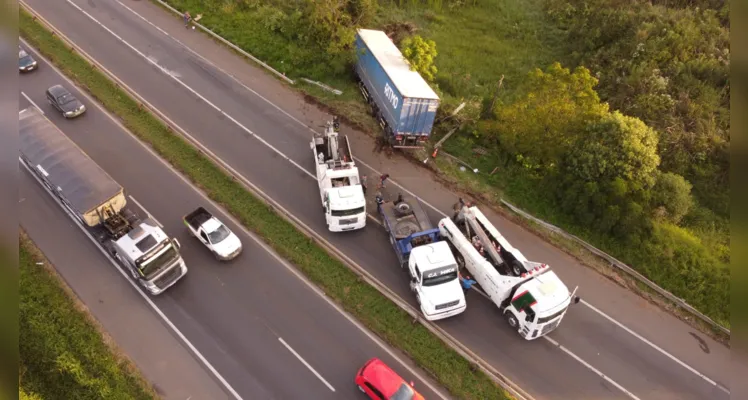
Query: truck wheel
(512, 320)
(517, 268)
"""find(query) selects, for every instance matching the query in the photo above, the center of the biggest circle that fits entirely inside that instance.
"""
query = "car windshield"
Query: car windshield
(439, 276)
(65, 99)
(405, 392)
(153, 266)
(219, 235)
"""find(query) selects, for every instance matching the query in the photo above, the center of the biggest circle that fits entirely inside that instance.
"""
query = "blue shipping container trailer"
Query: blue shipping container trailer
(400, 99)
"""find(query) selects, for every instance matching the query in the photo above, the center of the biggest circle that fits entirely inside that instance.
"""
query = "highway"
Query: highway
(613, 346)
(267, 333)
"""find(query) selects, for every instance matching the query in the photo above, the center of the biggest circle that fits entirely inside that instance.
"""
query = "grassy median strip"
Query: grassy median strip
(63, 353)
(360, 299)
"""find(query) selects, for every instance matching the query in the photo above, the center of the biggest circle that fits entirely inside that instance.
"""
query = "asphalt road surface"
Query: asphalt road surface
(267, 332)
(613, 345)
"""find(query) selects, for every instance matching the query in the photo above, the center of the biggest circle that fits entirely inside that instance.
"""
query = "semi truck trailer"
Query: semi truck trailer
(400, 99)
(99, 204)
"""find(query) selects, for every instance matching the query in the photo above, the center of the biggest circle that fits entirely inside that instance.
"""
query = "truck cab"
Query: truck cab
(345, 208)
(338, 179)
(433, 272)
(536, 306)
(213, 234)
(151, 257)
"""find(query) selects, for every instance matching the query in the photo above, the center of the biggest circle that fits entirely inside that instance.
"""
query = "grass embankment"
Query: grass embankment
(358, 298)
(63, 354)
(478, 42)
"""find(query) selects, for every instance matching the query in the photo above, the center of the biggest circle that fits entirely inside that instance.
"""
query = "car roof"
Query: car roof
(382, 377)
(58, 90)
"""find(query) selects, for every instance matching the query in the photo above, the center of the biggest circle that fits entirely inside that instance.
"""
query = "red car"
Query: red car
(380, 382)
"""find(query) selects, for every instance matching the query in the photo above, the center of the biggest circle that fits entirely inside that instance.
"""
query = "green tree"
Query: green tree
(363, 11)
(666, 62)
(420, 53)
(605, 179)
(330, 24)
(549, 115)
(671, 197)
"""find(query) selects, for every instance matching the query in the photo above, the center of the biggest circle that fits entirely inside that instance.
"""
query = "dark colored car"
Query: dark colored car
(64, 101)
(380, 382)
(26, 63)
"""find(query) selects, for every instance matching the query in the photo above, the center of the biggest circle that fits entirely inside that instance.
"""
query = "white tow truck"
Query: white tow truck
(339, 184)
(531, 296)
(212, 233)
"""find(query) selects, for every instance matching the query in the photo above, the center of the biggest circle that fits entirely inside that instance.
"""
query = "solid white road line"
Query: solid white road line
(32, 102)
(142, 294)
(654, 346)
(225, 216)
(306, 364)
(299, 166)
(146, 211)
(191, 90)
(593, 369)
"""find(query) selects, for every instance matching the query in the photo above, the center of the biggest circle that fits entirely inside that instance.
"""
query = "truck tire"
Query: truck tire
(517, 268)
(512, 320)
(403, 209)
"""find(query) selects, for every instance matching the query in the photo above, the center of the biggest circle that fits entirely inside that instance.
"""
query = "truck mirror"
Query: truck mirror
(576, 299)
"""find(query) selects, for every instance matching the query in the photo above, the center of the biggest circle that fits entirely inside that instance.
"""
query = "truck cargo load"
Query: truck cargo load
(98, 203)
(401, 100)
(86, 187)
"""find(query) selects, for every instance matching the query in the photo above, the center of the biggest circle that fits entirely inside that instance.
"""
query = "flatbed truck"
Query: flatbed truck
(99, 204)
(432, 267)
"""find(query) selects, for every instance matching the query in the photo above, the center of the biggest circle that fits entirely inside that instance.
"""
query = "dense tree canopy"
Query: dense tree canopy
(668, 63)
(549, 115)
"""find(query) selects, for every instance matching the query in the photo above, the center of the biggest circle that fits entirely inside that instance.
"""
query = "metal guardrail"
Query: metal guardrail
(227, 43)
(477, 362)
(621, 266)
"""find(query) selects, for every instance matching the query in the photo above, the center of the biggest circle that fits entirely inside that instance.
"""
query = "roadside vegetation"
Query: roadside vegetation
(358, 298)
(63, 354)
(608, 118)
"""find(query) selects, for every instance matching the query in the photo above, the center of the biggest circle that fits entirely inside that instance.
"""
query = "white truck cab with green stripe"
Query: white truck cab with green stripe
(534, 302)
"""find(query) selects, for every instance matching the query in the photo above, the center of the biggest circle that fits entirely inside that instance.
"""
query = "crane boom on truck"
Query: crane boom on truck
(98, 203)
(339, 183)
(431, 265)
(534, 300)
